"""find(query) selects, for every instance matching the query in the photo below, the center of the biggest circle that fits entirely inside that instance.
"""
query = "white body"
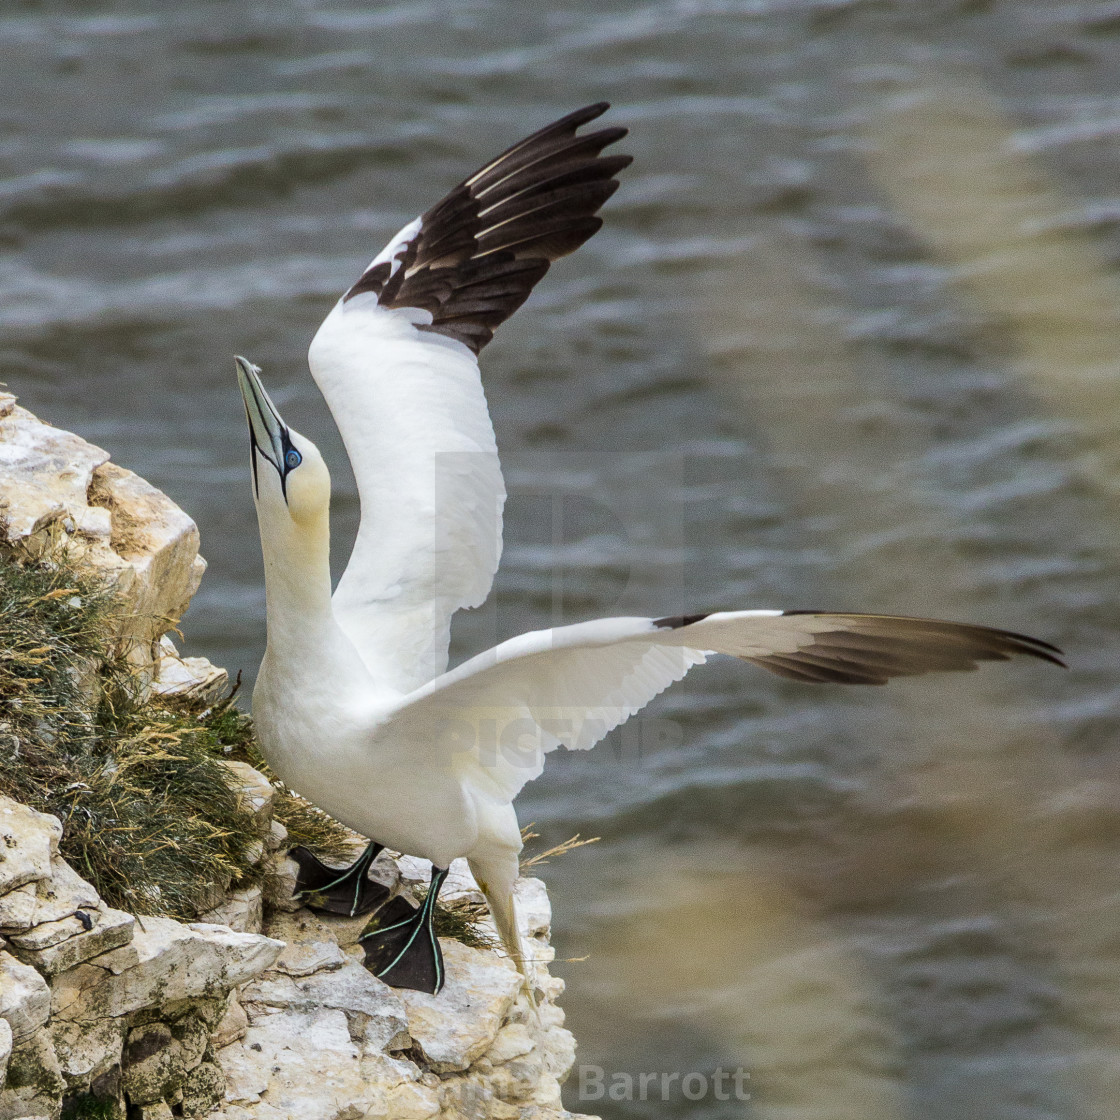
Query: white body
(353, 706)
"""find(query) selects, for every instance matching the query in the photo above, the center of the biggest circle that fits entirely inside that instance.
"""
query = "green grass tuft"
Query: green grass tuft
(460, 920)
(149, 814)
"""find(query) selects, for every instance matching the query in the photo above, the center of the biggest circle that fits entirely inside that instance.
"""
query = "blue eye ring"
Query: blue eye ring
(292, 459)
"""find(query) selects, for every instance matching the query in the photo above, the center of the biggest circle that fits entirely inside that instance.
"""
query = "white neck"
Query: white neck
(304, 640)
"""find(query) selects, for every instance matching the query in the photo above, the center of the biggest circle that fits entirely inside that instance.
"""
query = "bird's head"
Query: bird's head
(290, 479)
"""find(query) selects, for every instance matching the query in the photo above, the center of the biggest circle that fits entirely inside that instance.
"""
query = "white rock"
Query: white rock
(232, 1025)
(242, 911)
(52, 482)
(385, 871)
(160, 1110)
(552, 986)
(87, 1049)
(277, 836)
(559, 1049)
(203, 1088)
(45, 472)
(535, 1075)
(410, 1101)
(541, 951)
(305, 1063)
(57, 946)
(385, 1033)
(5, 1047)
(17, 908)
(373, 1010)
(25, 999)
(474, 1095)
(346, 931)
(416, 871)
(49, 934)
(512, 1041)
(549, 1014)
(522, 1077)
(309, 947)
(60, 895)
(534, 911)
(28, 840)
(154, 558)
(93, 522)
(257, 792)
(460, 1024)
(166, 961)
(547, 1094)
(187, 678)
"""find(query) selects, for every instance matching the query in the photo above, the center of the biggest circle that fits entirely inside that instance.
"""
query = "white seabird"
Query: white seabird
(354, 707)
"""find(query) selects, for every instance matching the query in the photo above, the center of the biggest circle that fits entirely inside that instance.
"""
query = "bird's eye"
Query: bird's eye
(293, 459)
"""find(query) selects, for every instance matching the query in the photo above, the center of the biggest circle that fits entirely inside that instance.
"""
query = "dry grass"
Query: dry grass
(561, 849)
(149, 814)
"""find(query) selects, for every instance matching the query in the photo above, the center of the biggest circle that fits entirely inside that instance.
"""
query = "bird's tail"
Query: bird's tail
(498, 890)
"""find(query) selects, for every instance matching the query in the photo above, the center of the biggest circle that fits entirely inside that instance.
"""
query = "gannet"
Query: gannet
(354, 706)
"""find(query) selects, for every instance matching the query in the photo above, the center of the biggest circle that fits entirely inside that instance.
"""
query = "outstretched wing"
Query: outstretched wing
(502, 711)
(396, 362)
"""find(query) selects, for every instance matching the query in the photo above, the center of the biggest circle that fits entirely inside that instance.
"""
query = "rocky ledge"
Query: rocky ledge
(261, 1010)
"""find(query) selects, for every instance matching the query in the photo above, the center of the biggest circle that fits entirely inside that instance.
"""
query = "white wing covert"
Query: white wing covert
(396, 360)
(502, 711)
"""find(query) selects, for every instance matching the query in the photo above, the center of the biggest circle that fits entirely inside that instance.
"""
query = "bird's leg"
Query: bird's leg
(403, 949)
(347, 891)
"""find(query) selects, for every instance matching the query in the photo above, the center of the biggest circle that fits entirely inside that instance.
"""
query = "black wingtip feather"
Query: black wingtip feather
(998, 644)
(869, 649)
(534, 203)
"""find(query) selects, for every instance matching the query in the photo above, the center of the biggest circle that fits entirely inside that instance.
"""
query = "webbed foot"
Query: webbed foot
(347, 891)
(402, 948)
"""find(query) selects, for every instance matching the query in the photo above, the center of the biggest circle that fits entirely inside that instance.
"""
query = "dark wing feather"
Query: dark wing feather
(482, 248)
(873, 648)
(870, 649)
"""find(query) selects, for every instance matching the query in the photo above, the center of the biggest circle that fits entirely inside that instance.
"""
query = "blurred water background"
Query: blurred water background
(848, 340)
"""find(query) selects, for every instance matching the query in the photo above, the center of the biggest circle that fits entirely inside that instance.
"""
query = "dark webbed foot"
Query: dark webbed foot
(345, 891)
(402, 948)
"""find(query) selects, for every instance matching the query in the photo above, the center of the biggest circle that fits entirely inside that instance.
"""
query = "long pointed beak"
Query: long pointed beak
(266, 429)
